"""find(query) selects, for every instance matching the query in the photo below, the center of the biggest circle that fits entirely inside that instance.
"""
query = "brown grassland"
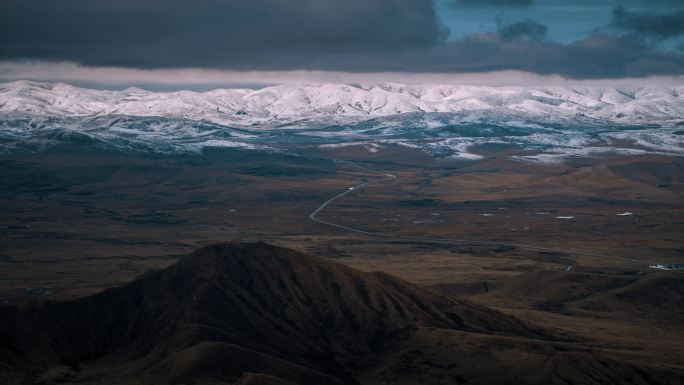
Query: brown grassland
(74, 224)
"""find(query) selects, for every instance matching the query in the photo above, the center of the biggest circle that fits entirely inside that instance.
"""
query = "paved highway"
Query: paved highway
(384, 177)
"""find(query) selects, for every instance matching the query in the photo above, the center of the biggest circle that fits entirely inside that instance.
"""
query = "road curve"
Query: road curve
(386, 177)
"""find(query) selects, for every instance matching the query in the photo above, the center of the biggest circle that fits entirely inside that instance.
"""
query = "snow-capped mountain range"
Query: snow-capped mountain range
(551, 123)
(288, 104)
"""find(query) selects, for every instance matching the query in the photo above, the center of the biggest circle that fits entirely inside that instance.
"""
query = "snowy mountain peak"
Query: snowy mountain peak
(284, 104)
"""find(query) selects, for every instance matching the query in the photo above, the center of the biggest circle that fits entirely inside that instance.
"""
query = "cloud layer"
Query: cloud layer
(524, 29)
(155, 33)
(650, 24)
(495, 3)
(324, 35)
(204, 79)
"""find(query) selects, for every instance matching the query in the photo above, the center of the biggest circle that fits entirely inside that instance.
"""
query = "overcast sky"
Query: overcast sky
(205, 43)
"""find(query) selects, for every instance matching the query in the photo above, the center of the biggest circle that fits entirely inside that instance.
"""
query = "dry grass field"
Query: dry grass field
(74, 225)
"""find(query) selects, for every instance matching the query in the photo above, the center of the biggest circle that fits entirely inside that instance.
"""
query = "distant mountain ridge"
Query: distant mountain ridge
(550, 123)
(287, 104)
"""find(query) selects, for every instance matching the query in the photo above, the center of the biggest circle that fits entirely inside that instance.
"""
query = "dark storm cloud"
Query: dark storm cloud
(524, 29)
(598, 56)
(207, 32)
(496, 3)
(649, 24)
(351, 35)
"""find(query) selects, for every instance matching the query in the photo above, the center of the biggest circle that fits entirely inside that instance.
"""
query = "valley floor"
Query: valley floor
(76, 223)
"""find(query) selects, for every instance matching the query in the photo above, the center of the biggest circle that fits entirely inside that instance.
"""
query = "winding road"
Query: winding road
(384, 177)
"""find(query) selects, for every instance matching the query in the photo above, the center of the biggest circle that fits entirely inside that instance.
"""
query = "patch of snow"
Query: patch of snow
(272, 106)
(554, 123)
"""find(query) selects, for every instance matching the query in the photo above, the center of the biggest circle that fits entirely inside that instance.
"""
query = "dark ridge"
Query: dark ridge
(240, 313)
(299, 313)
